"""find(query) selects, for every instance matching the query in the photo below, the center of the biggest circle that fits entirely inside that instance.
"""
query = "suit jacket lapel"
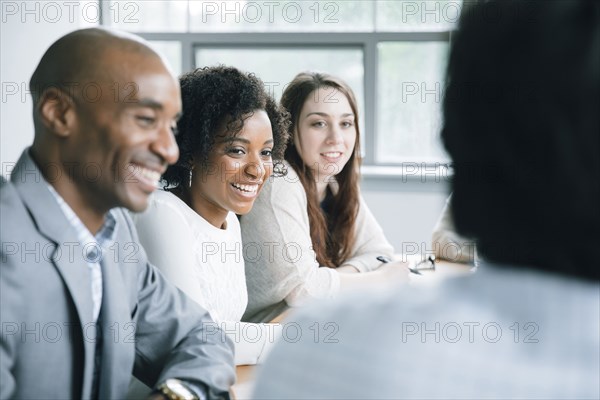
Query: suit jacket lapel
(68, 255)
(118, 331)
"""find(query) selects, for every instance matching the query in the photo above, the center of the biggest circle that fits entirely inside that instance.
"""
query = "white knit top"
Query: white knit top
(203, 261)
(281, 266)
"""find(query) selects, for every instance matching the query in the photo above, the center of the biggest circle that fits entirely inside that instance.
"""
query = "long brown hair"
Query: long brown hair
(332, 234)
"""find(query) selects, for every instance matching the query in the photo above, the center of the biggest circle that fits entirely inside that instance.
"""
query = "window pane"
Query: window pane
(281, 16)
(148, 16)
(278, 66)
(171, 51)
(407, 15)
(410, 89)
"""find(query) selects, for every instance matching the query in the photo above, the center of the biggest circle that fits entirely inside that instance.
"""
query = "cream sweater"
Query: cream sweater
(206, 263)
(281, 266)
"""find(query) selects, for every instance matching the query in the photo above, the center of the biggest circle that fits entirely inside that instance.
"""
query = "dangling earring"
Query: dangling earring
(190, 181)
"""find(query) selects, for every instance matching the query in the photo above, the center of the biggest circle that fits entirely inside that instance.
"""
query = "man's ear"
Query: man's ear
(56, 110)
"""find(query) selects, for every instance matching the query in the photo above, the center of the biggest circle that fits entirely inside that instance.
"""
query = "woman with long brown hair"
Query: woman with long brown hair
(310, 233)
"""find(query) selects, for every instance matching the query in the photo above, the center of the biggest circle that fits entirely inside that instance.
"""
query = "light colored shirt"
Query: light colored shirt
(93, 248)
(281, 266)
(500, 333)
(207, 264)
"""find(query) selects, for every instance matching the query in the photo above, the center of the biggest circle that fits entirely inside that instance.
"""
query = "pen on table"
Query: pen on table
(385, 260)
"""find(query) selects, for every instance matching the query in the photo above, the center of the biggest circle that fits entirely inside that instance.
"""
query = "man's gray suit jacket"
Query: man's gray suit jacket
(48, 337)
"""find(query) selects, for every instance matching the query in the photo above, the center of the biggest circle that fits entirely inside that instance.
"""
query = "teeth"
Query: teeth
(149, 174)
(333, 154)
(245, 188)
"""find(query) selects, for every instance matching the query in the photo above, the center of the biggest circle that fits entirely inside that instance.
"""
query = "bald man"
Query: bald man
(81, 308)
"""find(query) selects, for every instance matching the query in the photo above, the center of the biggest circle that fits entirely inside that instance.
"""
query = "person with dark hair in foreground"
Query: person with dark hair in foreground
(81, 307)
(522, 127)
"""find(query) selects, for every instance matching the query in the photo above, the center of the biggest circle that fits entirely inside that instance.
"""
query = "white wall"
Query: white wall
(27, 29)
(407, 211)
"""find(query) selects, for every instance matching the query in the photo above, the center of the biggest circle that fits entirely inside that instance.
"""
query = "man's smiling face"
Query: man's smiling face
(124, 136)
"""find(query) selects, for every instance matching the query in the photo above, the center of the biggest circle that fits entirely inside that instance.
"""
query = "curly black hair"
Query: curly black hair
(210, 96)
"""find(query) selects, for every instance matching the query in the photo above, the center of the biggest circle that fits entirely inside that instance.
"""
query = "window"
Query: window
(410, 92)
(345, 62)
(392, 53)
(277, 66)
(171, 50)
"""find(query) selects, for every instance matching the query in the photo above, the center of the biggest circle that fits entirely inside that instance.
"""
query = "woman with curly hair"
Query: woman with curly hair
(230, 137)
(328, 239)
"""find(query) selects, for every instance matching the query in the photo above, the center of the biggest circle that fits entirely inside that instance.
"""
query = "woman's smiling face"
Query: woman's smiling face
(235, 172)
(326, 132)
